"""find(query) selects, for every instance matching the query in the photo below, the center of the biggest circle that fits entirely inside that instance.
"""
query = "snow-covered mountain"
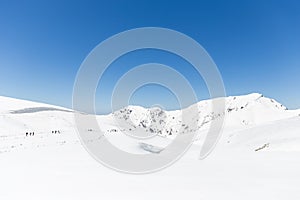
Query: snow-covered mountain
(241, 112)
(246, 120)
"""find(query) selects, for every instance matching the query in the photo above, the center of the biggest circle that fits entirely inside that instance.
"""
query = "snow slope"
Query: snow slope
(257, 157)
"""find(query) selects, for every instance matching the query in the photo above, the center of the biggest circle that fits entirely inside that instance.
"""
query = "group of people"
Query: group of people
(55, 132)
(29, 134)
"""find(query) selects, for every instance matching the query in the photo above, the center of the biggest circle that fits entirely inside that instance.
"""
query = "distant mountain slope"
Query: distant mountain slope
(240, 112)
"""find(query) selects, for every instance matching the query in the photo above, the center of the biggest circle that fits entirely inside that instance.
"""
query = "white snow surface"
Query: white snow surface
(257, 156)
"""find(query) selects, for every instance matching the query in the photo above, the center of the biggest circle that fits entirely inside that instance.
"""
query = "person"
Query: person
(26, 134)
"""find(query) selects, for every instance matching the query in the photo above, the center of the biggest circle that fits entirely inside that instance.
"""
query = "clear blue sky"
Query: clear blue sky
(255, 44)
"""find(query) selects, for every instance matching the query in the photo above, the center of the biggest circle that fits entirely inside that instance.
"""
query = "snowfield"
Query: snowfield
(257, 156)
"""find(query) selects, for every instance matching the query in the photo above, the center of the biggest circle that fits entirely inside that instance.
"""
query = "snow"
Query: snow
(257, 157)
